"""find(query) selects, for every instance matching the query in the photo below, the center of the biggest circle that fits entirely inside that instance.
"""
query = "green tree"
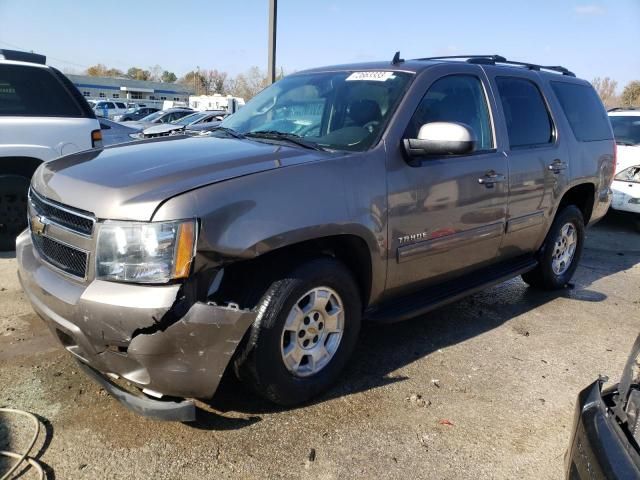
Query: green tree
(195, 81)
(101, 70)
(168, 77)
(138, 73)
(631, 94)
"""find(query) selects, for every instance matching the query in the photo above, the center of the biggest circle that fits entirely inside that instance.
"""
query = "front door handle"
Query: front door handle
(491, 178)
(557, 166)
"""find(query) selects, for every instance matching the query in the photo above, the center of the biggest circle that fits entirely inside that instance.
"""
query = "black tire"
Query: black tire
(13, 209)
(259, 363)
(543, 276)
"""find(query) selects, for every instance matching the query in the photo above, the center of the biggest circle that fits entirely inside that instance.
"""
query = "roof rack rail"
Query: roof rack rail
(19, 56)
(494, 59)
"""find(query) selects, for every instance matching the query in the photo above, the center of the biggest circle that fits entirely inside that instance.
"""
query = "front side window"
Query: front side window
(333, 110)
(459, 99)
(527, 117)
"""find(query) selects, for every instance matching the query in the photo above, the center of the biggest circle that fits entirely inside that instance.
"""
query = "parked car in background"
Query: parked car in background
(42, 116)
(626, 183)
(161, 116)
(109, 109)
(375, 191)
(187, 122)
(605, 436)
(114, 133)
(135, 113)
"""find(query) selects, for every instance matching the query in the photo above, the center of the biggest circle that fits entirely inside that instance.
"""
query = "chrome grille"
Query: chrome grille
(64, 257)
(65, 217)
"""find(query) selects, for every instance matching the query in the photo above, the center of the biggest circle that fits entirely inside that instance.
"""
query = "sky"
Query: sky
(592, 38)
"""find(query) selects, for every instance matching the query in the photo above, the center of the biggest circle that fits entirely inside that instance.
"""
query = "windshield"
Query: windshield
(189, 119)
(335, 110)
(626, 129)
(152, 117)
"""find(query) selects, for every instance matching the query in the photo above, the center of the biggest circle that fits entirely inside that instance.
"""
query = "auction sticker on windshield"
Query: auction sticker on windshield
(376, 76)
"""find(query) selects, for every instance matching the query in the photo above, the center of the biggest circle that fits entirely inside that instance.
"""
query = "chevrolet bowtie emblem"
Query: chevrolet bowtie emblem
(38, 225)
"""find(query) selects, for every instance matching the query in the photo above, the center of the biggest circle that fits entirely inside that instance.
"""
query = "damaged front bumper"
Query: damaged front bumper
(115, 329)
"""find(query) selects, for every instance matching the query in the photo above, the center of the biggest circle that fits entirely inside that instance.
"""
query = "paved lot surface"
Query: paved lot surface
(484, 388)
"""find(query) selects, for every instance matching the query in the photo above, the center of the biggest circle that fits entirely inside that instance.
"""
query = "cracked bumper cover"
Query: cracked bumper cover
(96, 322)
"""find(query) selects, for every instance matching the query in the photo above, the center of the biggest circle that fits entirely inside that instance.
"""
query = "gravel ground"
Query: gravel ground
(484, 388)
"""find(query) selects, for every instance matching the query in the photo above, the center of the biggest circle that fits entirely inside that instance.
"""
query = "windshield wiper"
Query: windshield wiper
(287, 137)
(230, 131)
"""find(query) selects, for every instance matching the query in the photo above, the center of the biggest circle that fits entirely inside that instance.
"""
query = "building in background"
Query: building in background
(132, 91)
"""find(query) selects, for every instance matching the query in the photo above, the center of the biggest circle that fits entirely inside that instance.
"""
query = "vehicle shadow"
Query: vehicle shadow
(612, 246)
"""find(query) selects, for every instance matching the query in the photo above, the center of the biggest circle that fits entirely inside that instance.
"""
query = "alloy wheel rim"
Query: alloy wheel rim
(312, 332)
(564, 249)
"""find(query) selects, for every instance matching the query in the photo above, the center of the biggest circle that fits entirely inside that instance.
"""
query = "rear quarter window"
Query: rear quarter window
(584, 111)
(34, 91)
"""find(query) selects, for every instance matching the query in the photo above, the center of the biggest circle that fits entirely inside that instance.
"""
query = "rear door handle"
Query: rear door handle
(557, 166)
(491, 178)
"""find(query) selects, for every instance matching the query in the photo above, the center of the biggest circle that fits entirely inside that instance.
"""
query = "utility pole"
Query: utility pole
(273, 21)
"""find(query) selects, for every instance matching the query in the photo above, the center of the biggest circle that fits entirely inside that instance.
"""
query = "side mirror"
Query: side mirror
(441, 138)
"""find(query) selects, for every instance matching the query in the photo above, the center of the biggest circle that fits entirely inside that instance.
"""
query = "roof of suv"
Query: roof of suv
(417, 65)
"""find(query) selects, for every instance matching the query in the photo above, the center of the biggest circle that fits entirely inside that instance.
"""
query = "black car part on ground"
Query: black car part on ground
(604, 442)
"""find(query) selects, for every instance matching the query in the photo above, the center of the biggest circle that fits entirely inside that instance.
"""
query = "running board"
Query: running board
(436, 296)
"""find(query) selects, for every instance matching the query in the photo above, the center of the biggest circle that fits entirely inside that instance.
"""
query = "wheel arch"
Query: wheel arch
(19, 165)
(350, 249)
(582, 196)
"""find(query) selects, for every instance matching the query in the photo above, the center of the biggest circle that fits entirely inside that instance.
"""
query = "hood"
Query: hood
(129, 182)
(628, 156)
(162, 128)
(137, 124)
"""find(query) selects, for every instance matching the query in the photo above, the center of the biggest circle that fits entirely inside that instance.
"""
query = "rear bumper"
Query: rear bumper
(123, 329)
(598, 448)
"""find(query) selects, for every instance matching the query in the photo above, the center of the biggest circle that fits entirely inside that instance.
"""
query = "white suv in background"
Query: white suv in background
(626, 183)
(110, 108)
(42, 116)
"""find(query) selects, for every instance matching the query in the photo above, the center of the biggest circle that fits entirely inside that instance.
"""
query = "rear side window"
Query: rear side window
(527, 117)
(34, 91)
(584, 110)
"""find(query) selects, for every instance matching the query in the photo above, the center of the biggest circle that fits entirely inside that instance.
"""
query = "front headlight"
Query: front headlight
(631, 174)
(145, 252)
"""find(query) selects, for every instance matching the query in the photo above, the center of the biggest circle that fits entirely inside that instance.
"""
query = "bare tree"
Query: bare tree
(631, 94)
(247, 85)
(194, 80)
(606, 88)
(216, 81)
(155, 73)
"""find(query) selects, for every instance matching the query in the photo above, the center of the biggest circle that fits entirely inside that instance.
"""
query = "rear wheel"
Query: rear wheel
(306, 330)
(13, 209)
(561, 251)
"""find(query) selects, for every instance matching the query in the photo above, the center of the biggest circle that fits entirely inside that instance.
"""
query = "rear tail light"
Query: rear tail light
(96, 139)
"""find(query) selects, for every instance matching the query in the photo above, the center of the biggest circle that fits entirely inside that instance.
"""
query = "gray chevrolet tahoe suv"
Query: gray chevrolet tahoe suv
(337, 195)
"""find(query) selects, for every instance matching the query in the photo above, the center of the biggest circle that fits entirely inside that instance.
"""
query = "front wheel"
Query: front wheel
(306, 330)
(560, 252)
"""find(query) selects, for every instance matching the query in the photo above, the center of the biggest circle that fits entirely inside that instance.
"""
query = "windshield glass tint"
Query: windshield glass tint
(626, 129)
(152, 117)
(336, 110)
(194, 117)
